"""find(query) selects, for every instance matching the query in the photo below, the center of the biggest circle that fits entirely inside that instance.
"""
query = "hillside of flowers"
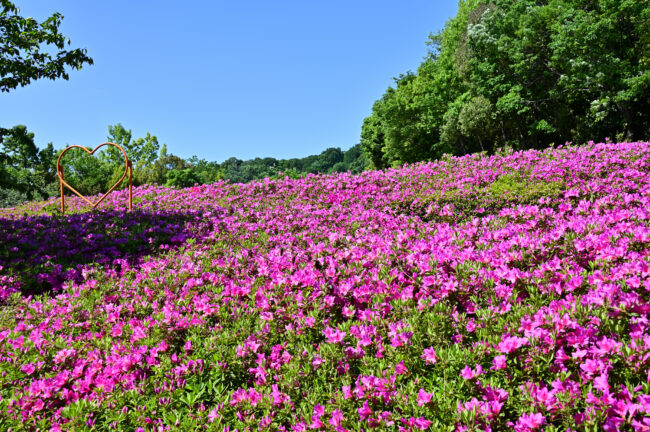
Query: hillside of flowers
(500, 293)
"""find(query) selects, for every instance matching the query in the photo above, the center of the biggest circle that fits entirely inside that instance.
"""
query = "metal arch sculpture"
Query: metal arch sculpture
(128, 169)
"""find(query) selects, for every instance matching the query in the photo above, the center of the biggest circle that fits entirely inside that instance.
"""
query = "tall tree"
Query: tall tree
(22, 167)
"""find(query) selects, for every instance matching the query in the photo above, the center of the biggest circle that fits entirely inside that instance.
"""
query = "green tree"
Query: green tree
(142, 153)
(355, 160)
(87, 174)
(30, 50)
(476, 119)
(373, 139)
(182, 178)
(519, 73)
(24, 169)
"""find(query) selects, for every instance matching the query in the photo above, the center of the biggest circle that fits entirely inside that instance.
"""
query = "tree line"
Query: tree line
(28, 173)
(521, 74)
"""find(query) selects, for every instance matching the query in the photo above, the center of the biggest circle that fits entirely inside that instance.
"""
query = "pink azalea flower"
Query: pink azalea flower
(333, 335)
(400, 368)
(529, 422)
(317, 361)
(424, 397)
(467, 373)
(499, 362)
(336, 418)
(422, 423)
(511, 343)
(429, 356)
(28, 368)
(364, 411)
(38, 405)
(213, 415)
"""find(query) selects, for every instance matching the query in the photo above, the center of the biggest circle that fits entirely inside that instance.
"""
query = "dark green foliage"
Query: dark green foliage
(182, 178)
(522, 74)
(30, 50)
(25, 173)
(331, 160)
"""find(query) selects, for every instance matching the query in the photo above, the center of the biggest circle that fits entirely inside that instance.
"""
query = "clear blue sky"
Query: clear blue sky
(218, 79)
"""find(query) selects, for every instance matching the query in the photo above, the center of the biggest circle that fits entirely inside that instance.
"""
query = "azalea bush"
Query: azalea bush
(478, 293)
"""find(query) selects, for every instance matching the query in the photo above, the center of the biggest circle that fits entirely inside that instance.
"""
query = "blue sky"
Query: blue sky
(219, 79)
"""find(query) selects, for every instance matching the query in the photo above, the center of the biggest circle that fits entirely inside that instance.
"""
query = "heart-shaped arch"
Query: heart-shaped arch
(128, 169)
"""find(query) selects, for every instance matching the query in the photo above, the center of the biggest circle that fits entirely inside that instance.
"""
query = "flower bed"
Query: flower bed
(475, 293)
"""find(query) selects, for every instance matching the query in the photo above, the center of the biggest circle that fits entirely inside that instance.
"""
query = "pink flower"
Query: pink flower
(467, 373)
(337, 418)
(116, 331)
(333, 335)
(422, 423)
(528, 422)
(511, 343)
(28, 368)
(319, 410)
(254, 396)
(317, 361)
(429, 356)
(238, 396)
(213, 415)
(38, 405)
(63, 354)
(138, 333)
(400, 368)
(424, 397)
(499, 362)
(364, 411)
(18, 342)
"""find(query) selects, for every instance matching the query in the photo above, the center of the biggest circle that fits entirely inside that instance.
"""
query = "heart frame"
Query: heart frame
(128, 169)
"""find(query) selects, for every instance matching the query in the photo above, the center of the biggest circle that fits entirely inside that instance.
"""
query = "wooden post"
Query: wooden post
(128, 163)
(60, 172)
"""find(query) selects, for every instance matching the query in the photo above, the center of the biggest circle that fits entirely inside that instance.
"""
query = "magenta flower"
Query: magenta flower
(240, 395)
(213, 415)
(400, 368)
(317, 361)
(336, 418)
(499, 362)
(364, 411)
(511, 343)
(529, 422)
(429, 356)
(333, 335)
(28, 368)
(424, 397)
(467, 373)
(422, 423)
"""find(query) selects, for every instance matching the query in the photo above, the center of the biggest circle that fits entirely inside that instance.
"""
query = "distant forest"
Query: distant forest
(515, 74)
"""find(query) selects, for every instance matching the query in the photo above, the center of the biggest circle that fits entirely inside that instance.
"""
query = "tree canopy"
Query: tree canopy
(519, 73)
(30, 50)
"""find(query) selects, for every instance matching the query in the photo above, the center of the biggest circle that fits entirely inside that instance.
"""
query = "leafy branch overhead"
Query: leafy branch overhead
(27, 49)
